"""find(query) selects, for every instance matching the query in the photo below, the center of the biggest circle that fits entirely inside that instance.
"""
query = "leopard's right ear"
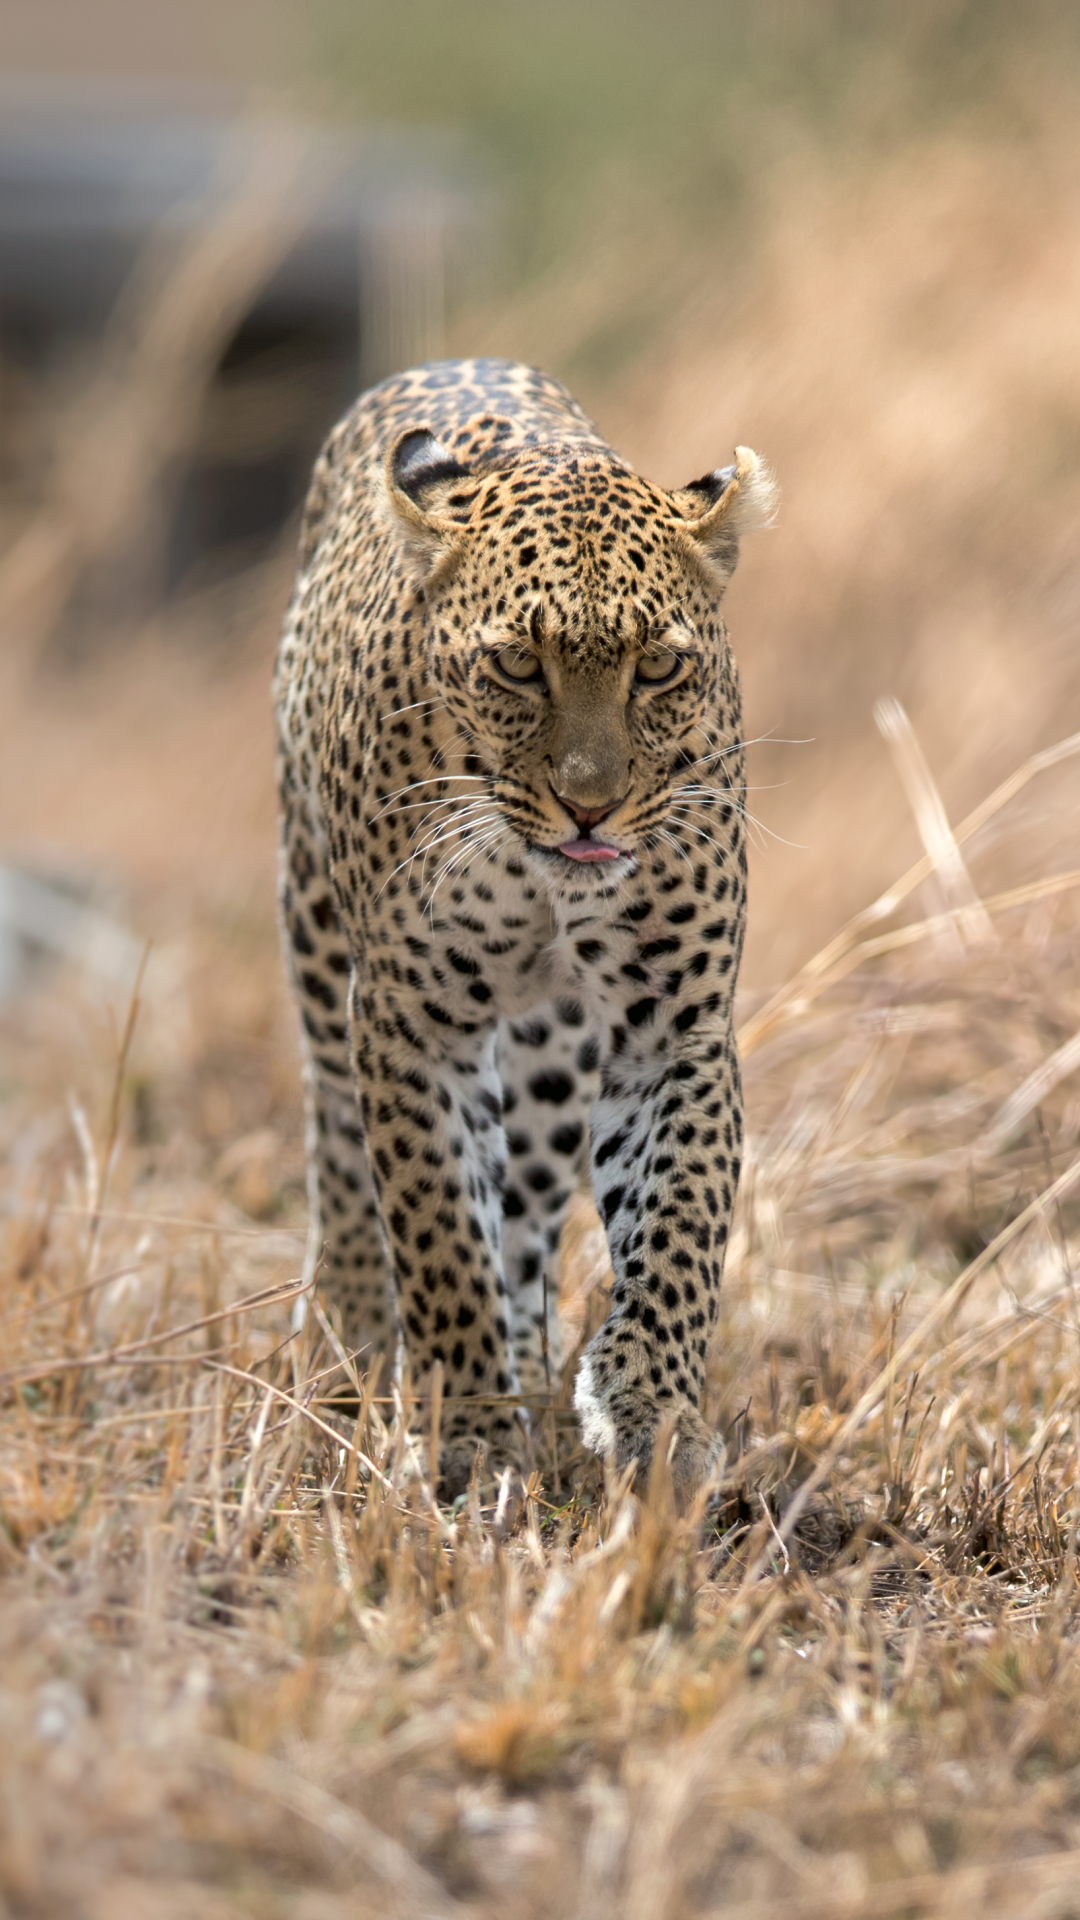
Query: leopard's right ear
(423, 490)
(717, 510)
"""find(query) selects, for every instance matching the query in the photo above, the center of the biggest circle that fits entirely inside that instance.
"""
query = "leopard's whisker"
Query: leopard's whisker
(452, 831)
(433, 780)
(493, 836)
(445, 830)
(436, 800)
(431, 700)
(752, 822)
(465, 810)
(457, 830)
(725, 752)
(711, 787)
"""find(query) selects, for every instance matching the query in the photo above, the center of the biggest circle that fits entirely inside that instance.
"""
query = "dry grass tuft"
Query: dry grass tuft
(251, 1665)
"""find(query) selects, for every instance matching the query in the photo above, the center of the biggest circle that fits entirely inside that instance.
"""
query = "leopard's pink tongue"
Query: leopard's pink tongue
(588, 850)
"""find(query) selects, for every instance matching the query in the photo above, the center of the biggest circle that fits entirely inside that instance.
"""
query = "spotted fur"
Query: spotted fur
(503, 642)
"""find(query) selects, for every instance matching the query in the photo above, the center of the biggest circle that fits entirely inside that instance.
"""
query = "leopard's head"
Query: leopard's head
(572, 629)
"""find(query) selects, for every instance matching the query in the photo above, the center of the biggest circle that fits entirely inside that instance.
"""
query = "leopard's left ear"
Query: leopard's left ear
(724, 505)
(422, 478)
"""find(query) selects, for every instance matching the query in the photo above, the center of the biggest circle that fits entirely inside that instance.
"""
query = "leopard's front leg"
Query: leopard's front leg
(666, 1152)
(431, 1104)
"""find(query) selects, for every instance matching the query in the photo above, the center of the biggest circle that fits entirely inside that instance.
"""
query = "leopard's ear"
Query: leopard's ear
(718, 509)
(422, 478)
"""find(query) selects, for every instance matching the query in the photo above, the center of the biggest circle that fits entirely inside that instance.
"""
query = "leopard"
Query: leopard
(513, 899)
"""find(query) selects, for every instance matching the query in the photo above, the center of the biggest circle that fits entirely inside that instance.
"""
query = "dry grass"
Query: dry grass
(250, 1666)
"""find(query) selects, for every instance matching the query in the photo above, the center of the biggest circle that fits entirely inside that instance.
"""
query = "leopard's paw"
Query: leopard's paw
(622, 1420)
(695, 1453)
(483, 1456)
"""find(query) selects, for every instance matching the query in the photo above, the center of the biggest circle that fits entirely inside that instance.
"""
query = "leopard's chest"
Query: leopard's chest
(471, 944)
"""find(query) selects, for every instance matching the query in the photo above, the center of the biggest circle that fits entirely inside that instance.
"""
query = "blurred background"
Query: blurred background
(845, 234)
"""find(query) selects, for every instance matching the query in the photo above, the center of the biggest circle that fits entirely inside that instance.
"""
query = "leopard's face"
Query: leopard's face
(573, 630)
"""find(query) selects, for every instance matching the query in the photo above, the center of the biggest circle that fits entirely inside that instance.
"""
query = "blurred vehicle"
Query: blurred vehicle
(342, 282)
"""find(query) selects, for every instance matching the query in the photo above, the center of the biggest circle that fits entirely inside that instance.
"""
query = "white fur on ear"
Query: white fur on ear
(758, 498)
(727, 503)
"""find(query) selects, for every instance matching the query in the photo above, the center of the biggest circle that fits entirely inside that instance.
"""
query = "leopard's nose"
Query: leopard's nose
(587, 817)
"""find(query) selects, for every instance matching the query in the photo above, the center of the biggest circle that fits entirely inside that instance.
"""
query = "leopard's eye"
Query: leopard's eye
(658, 668)
(519, 665)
